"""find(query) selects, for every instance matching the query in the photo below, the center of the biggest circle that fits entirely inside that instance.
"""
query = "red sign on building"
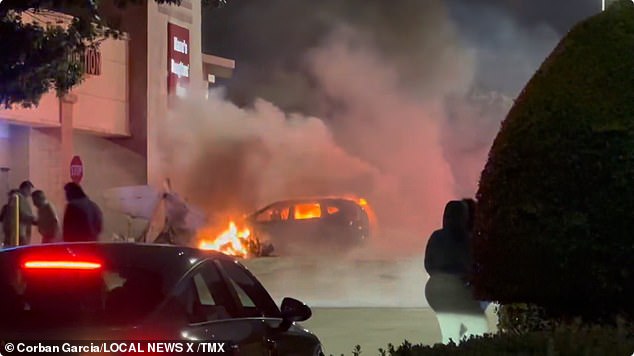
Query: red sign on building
(177, 58)
(76, 169)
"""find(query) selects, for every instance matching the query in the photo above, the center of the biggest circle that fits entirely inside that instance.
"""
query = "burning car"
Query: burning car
(301, 225)
(286, 227)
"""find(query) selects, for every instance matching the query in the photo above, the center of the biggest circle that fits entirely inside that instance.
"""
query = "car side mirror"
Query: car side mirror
(294, 310)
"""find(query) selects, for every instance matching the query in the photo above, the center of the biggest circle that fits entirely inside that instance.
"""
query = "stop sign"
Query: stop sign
(76, 169)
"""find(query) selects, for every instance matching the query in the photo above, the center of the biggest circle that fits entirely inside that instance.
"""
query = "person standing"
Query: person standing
(26, 212)
(7, 217)
(448, 263)
(47, 221)
(83, 219)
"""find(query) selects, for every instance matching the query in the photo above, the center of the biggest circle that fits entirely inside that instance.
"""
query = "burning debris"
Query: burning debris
(233, 241)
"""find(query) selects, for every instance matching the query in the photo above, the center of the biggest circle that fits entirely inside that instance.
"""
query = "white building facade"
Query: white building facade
(111, 120)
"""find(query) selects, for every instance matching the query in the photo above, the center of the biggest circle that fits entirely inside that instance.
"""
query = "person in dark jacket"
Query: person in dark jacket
(83, 220)
(448, 263)
(7, 217)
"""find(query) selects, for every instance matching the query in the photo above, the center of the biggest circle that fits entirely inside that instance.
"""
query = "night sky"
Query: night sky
(269, 36)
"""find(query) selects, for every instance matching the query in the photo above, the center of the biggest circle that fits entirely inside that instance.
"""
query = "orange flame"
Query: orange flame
(307, 211)
(232, 241)
(237, 241)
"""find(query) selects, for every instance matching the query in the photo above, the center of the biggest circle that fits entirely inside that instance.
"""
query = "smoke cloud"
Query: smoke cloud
(232, 160)
(395, 102)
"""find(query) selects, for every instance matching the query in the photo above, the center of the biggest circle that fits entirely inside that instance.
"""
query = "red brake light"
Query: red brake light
(60, 264)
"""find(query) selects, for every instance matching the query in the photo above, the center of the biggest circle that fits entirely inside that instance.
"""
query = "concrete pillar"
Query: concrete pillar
(67, 147)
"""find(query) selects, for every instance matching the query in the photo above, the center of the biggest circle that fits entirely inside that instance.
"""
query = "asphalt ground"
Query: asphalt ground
(340, 329)
(369, 302)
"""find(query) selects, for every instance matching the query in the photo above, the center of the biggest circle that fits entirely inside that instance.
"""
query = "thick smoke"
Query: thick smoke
(391, 101)
(231, 160)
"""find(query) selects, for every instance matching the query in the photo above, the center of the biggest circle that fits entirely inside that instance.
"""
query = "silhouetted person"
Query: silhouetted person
(27, 218)
(47, 220)
(83, 220)
(8, 219)
(448, 262)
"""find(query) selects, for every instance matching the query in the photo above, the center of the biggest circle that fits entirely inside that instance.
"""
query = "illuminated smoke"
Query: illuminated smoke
(400, 116)
(387, 100)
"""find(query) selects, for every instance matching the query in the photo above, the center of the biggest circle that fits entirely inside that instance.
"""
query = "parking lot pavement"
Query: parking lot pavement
(337, 283)
(340, 329)
(369, 302)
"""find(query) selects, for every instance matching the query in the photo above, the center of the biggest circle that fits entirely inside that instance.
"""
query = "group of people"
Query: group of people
(449, 262)
(82, 221)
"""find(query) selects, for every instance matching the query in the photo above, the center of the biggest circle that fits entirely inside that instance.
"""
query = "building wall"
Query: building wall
(45, 114)
(134, 21)
(45, 167)
(102, 99)
(108, 165)
(188, 15)
(5, 160)
(19, 148)
(35, 157)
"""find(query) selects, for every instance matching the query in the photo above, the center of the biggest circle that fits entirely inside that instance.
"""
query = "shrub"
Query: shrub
(555, 213)
(564, 340)
(522, 318)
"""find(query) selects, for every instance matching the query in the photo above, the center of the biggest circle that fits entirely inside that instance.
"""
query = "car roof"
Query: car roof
(309, 200)
(168, 254)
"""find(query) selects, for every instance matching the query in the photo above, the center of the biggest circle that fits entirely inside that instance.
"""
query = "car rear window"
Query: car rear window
(81, 288)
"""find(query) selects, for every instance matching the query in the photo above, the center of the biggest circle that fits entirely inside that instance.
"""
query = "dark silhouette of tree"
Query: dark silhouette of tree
(555, 205)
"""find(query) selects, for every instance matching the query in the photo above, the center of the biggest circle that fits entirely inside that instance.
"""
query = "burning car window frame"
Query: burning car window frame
(309, 213)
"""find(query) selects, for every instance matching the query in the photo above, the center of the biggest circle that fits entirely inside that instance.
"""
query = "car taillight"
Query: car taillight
(61, 264)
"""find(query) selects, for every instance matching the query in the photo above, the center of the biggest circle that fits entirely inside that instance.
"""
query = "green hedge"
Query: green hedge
(562, 341)
(555, 213)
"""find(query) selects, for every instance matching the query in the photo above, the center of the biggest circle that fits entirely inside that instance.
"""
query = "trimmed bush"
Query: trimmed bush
(522, 318)
(555, 213)
(562, 341)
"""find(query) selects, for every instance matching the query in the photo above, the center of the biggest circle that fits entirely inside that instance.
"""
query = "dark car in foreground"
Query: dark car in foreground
(304, 225)
(125, 291)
